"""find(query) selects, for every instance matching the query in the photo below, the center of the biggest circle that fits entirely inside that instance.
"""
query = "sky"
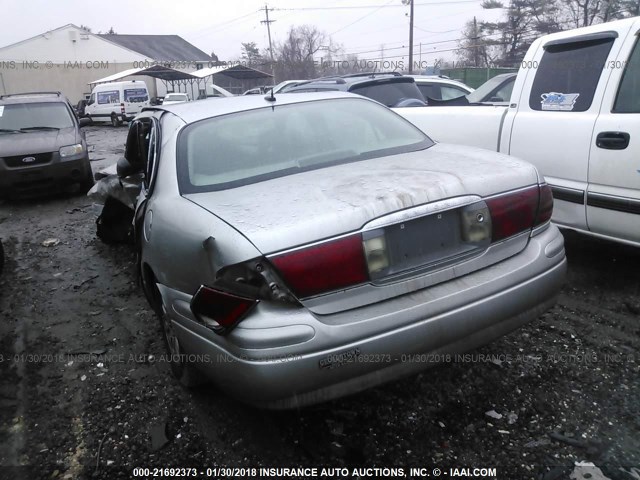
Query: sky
(365, 27)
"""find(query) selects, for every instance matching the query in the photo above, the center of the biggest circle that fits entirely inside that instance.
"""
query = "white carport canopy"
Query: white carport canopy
(169, 75)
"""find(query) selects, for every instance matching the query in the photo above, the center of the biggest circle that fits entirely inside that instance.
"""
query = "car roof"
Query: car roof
(194, 111)
(32, 97)
(346, 82)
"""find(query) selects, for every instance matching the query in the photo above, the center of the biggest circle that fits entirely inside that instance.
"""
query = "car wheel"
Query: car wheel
(90, 119)
(115, 121)
(186, 373)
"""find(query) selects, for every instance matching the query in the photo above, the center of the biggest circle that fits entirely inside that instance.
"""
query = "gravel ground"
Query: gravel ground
(84, 393)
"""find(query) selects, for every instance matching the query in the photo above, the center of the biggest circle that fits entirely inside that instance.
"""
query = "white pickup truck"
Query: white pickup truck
(575, 114)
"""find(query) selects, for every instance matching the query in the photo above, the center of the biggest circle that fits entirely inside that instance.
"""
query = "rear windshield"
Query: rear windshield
(257, 145)
(390, 94)
(28, 115)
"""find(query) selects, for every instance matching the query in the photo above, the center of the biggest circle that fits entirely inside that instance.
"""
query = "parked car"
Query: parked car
(285, 86)
(79, 108)
(438, 87)
(495, 91)
(117, 102)
(573, 113)
(171, 98)
(327, 245)
(42, 147)
(390, 89)
(257, 90)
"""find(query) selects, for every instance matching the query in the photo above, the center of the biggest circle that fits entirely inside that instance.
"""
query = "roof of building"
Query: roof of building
(159, 47)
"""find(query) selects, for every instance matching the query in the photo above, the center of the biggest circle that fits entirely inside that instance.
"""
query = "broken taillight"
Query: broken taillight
(325, 267)
(513, 212)
(220, 310)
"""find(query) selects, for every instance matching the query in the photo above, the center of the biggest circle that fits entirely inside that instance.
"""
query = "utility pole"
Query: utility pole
(475, 42)
(411, 38)
(269, 22)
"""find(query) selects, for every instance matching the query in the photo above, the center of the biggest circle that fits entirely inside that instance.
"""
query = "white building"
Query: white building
(68, 58)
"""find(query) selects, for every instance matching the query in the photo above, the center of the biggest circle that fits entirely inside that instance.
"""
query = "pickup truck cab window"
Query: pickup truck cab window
(628, 100)
(568, 75)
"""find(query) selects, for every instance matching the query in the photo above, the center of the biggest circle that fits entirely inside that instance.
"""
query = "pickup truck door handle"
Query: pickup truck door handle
(613, 140)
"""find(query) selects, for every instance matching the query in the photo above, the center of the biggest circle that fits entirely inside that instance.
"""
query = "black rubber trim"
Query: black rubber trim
(568, 195)
(619, 204)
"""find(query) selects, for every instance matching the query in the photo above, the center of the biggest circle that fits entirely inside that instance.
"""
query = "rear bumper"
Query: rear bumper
(46, 178)
(313, 359)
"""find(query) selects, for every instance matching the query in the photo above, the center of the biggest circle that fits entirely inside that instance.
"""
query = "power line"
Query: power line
(502, 32)
(223, 24)
(356, 7)
(362, 18)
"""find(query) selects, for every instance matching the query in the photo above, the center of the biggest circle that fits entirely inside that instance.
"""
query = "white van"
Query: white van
(117, 102)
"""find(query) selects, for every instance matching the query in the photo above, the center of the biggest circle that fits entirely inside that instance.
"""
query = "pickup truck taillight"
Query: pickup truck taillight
(122, 108)
(519, 211)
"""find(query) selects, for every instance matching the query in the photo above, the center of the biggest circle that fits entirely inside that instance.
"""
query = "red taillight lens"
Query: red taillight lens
(122, 108)
(513, 213)
(545, 209)
(323, 268)
(220, 311)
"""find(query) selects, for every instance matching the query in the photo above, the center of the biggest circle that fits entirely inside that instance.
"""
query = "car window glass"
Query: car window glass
(389, 93)
(628, 100)
(568, 75)
(504, 92)
(110, 96)
(429, 90)
(250, 146)
(25, 115)
(448, 92)
(137, 145)
(135, 95)
(151, 158)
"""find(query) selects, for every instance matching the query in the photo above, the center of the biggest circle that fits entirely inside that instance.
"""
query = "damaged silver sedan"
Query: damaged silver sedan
(299, 248)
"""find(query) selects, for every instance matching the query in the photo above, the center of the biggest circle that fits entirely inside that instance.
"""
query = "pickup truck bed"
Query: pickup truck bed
(575, 114)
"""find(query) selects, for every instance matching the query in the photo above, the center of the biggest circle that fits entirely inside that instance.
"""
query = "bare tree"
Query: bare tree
(296, 56)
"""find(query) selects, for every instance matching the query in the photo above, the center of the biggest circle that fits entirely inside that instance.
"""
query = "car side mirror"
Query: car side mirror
(83, 122)
(125, 169)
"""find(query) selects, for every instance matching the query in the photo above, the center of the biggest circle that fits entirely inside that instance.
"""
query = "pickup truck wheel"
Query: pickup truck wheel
(186, 373)
(115, 121)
